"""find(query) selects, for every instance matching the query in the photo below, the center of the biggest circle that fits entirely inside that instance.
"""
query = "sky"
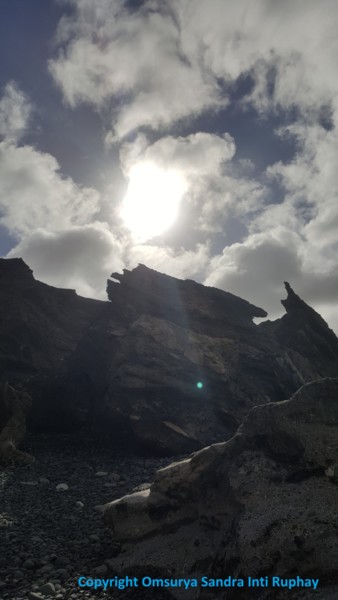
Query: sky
(198, 137)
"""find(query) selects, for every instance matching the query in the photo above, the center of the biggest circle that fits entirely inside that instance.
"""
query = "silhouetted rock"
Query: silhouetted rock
(14, 406)
(304, 331)
(260, 504)
(167, 365)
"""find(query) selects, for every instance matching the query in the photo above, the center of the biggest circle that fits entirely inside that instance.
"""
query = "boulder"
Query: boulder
(262, 503)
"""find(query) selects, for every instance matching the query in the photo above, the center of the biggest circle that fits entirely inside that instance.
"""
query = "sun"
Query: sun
(151, 203)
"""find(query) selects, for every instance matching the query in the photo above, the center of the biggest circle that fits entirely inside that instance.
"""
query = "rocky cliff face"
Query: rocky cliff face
(261, 504)
(131, 366)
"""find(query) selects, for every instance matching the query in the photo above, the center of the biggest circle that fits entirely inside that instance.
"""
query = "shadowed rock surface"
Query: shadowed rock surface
(14, 406)
(129, 367)
(263, 503)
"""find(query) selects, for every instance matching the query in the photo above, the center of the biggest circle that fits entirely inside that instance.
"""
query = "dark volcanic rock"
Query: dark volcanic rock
(130, 367)
(14, 406)
(261, 504)
(186, 303)
(41, 326)
(304, 331)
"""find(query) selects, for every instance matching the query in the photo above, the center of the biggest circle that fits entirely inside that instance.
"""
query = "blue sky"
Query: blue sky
(199, 138)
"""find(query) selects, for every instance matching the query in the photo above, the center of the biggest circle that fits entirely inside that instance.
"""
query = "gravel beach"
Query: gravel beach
(50, 532)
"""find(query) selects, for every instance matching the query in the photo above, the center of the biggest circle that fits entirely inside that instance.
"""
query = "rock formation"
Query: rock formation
(130, 367)
(14, 406)
(262, 503)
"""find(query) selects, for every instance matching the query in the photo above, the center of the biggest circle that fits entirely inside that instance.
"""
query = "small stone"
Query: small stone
(28, 564)
(79, 504)
(94, 538)
(29, 483)
(47, 589)
(19, 575)
(43, 480)
(101, 474)
(114, 477)
(44, 570)
(61, 487)
(36, 539)
(62, 573)
(61, 561)
(34, 596)
(3, 584)
(101, 570)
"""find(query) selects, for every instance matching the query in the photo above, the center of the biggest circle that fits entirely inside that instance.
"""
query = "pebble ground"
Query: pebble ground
(48, 538)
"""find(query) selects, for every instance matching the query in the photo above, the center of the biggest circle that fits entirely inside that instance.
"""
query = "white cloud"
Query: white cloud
(34, 194)
(196, 155)
(190, 264)
(135, 59)
(214, 188)
(15, 112)
(256, 269)
(296, 39)
(165, 61)
(80, 258)
(310, 181)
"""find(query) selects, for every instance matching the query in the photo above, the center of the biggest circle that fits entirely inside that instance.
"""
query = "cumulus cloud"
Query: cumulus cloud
(289, 47)
(172, 60)
(34, 193)
(15, 112)
(80, 258)
(196, 155)
(256, 269)
(135, 59)
(180, 263)
(215, 187)
(166, 60)
(51, 217)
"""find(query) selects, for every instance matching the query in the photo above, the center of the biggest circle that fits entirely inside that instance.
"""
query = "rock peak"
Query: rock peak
(180, 301)
(15, 268)
(293, 302)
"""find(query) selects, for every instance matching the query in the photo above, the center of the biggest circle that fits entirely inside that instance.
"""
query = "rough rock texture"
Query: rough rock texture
(41, 327)
(305, 334)
(262, 503)
(14, 406)
(130, 366)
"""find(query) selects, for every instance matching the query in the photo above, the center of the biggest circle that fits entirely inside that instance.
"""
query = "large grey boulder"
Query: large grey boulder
(265, 502)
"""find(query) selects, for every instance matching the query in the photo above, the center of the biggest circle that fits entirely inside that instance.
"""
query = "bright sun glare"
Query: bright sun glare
(152, 200)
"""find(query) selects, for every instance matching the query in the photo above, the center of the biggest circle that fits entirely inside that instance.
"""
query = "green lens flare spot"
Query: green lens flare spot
(199, 385)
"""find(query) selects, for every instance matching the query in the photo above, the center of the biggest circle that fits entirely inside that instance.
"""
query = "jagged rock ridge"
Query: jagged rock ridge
(130, 366)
